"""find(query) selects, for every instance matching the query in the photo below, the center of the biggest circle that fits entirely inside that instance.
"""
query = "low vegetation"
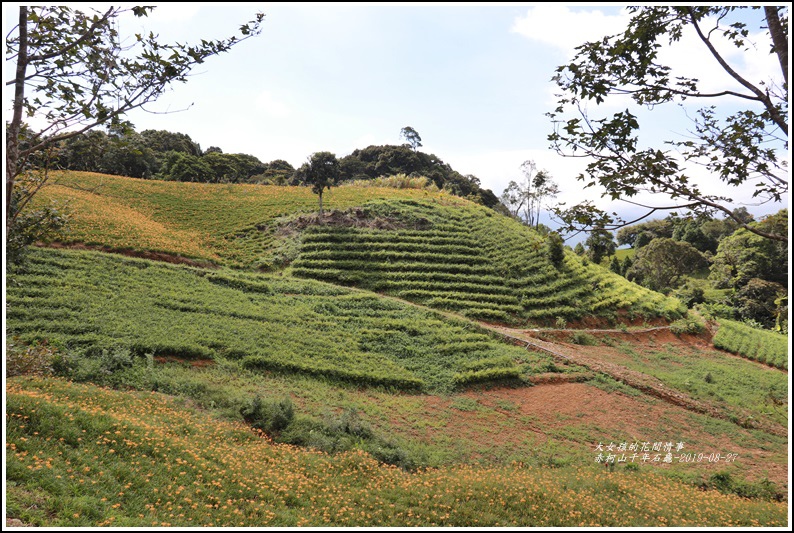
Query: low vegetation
(469, 260)
(95, 303)
(759, 345)
(79, 455)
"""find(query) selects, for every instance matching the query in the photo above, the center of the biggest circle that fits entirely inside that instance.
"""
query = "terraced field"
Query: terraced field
(472, 261)
(93, 302)
(383, 395)
(439, 250)
(224, 224)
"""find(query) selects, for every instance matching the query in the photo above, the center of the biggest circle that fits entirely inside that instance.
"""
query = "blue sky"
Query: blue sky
(473, 80)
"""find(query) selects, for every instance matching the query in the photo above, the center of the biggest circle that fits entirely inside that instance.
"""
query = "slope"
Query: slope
(431, 248)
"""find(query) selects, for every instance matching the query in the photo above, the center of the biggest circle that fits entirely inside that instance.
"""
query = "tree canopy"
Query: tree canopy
(526, 199)
(736, 147)
(74, 72)
(412, 137)
(321, 172)
(661, 264)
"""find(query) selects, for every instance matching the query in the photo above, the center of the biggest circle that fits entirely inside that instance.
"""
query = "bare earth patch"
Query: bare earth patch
(562, 412)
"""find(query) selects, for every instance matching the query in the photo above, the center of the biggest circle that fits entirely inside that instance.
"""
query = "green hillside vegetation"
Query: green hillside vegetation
(471, 260)
(373, 369)
(81, 456)
(230, 224)
(461, 257)
(759, 345)
(91, 302)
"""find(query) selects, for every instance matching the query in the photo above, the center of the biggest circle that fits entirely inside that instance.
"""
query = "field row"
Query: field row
(762, 346)
(97, 303)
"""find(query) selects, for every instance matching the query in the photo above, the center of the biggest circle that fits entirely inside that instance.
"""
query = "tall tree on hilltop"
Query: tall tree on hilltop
(737, 147)
(525, 200)
(413, 138)
(321, 171)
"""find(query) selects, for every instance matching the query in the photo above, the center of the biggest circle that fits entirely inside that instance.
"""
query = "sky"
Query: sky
(474, 80)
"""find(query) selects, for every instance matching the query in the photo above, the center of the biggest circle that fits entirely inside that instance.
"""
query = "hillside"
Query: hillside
(435, 249)
(126, 459)
(419, 349)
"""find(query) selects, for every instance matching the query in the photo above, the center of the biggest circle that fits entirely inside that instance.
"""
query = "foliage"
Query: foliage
(690, 295)
(232, 225)
(689, 325)
(398, 181)
(555, 249)
(745, 255)
(530, 195)
(413, 138)
(661, 264)
(269, 417)
(758, 301)
(740, 148)
(388, 160)
(27, 225)
(28, 359)
(321, 172)
(74, 72)
(264, 323)
(468, 260)
(600, 244)
(759, 345)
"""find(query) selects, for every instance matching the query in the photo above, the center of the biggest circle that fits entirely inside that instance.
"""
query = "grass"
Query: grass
(707, 375)
(225, 224)
(82, 456)
(374, 382)
(445, 252)
(469, 260)
(96, 303)
(755, 344)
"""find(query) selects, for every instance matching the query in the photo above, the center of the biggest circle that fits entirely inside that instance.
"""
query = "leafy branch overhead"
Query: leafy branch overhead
(738, 148)
(74, 72)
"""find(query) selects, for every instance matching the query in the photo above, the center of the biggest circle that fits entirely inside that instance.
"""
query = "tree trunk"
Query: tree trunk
(12, 141)
(321, 206)
(779, 39)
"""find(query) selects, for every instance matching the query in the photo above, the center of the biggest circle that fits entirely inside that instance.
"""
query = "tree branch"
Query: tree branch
(763, 97)
(77, 42)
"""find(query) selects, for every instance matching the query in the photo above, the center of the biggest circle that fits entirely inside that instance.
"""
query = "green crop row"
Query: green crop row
(422, 295)
(763, 346)
(391, 255)
(90, 302)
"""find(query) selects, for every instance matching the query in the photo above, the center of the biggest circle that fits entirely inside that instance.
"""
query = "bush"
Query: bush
(555, 250)
(691, 326)
(28, 225)
(269, 416)
(350, 422)
(584, 339)
(36, 359)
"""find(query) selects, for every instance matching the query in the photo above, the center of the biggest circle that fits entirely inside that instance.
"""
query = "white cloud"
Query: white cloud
(560, 27)
(266, 103)
(176, 11)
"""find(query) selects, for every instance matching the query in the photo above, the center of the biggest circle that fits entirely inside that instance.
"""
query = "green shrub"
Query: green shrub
(692, 326)
(584, 339)
(36, 359)
(269, 416)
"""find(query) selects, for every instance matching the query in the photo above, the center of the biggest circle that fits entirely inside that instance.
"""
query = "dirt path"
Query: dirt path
(638, 380)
